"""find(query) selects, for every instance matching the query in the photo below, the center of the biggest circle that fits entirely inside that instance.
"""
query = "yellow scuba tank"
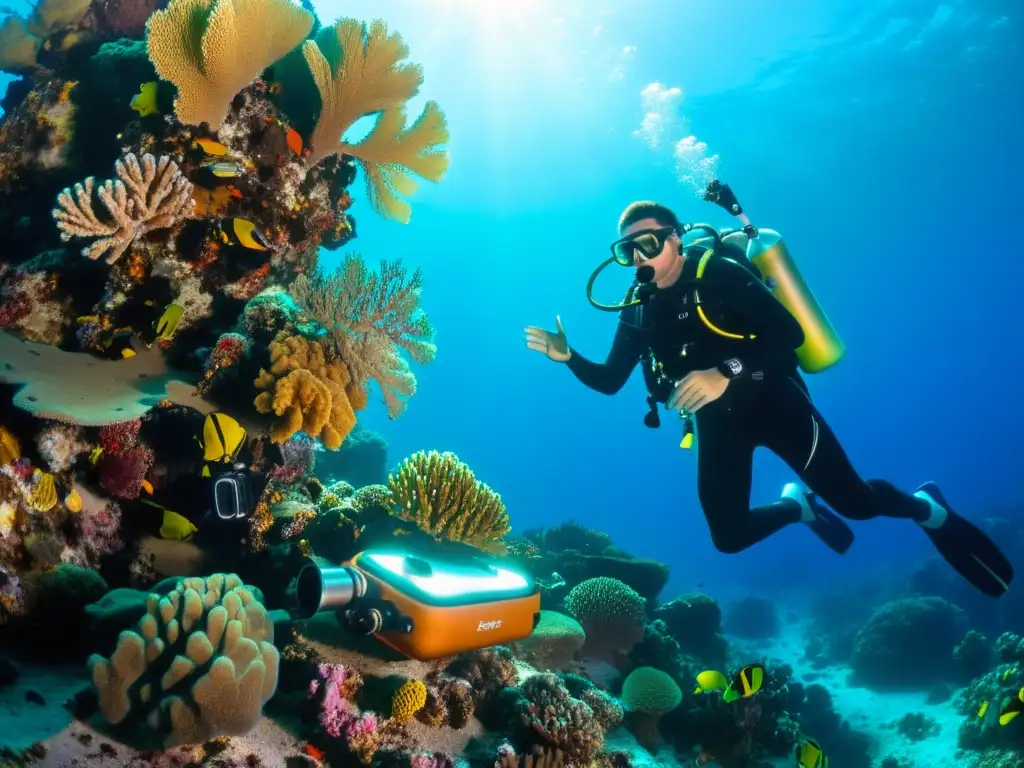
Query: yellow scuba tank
(822, 347)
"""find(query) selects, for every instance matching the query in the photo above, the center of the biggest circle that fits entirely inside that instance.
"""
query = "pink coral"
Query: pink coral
(120, 437)
(99, 525)
(333, 684)
(122, 473)
(432, 760)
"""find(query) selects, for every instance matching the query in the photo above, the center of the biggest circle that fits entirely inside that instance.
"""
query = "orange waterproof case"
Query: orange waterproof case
(425, 606)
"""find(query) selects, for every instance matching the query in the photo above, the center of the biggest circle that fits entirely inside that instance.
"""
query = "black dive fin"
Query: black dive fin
(829, 527)
(968, 549)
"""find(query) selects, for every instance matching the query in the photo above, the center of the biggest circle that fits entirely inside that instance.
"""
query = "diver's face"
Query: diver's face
(668, 263)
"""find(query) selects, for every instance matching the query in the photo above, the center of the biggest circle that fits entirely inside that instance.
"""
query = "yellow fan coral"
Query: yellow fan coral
(357, 71)
(43, 497)
(212, 49)
(440, 494)
(306, 392)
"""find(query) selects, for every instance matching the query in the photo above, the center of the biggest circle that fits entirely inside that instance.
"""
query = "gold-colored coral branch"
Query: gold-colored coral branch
(371, 317)
(440, 494)
(392, 153)
(212, 49)
(357, 72)
(147, 196)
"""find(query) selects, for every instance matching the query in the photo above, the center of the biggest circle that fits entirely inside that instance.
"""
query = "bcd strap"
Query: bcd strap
(701, 266)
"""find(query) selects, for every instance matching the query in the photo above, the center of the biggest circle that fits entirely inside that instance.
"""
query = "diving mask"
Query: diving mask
(648, 243)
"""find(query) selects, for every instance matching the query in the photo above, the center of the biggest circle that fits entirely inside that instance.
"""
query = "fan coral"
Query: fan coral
(357, 72)
(201, 666)
(442, 497)
(612, 615)
(306, 392)
(370, 318)
(212, 49)
(160, 196)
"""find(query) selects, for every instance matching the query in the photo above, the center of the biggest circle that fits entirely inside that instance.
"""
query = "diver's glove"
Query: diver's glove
(719, 193)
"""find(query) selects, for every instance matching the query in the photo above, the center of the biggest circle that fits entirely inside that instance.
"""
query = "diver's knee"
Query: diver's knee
(727, 541)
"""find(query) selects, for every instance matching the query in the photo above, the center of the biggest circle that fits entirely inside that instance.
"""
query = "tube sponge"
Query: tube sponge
(201, 665)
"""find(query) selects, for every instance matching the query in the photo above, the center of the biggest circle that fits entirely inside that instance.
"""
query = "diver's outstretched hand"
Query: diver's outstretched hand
(551, 344)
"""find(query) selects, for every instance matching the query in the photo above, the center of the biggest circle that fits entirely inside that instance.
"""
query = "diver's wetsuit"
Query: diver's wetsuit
(766, 402)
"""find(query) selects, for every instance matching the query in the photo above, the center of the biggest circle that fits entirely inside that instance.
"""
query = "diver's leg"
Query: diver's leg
(725, 462)
(796, 433)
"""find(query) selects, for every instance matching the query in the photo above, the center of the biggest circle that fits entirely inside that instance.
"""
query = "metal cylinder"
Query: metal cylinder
(822, 347)
(327, 588)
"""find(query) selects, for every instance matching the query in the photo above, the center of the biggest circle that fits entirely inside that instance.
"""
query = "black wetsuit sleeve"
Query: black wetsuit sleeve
(609, 377)
(777, 333)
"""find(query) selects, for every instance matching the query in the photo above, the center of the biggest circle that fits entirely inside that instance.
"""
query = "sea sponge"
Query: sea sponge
(201, 665)
(408, 700)
(611, 613)
(440, 494)
(306, 391)
(212, 49)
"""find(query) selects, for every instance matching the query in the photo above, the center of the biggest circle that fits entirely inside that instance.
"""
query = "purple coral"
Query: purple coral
(122, 473)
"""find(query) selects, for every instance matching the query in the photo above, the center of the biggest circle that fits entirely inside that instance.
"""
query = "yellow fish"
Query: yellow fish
(244, 233)
(168, 322)
(211, 147)
(809, 755)
(222, 439)
(144, 102)
(127, 352)
(1006, 673)
(983, 709)
(95, 454)
(175, 527)
(710, 680)
(747, 682)
(73, 501)
(1012, 710)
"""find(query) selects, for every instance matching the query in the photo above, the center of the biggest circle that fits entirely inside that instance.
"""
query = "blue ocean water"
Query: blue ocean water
(881, 139)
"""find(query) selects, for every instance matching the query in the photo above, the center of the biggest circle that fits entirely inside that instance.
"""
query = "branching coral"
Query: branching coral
(370, 319)
(442, 496)
(212, 49)
(556, 719)
(306, 392)
(147, 196)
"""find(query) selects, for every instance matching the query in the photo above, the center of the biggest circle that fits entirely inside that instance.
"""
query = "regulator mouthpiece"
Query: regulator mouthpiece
(644, 274)
(318, 589)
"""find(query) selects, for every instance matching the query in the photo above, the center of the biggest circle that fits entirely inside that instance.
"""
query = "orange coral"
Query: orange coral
(306, 392)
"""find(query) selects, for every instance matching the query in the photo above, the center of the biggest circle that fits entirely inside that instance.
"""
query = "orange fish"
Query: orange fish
(147, 487)
(294, 141)
(316, 754)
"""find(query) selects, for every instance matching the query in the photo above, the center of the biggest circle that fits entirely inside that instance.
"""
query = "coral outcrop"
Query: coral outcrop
(201, 665)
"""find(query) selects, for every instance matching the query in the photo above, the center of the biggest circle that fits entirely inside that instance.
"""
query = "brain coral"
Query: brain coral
(201, 665)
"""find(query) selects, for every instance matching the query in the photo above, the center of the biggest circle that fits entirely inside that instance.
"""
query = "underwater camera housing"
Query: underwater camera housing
(424, 606)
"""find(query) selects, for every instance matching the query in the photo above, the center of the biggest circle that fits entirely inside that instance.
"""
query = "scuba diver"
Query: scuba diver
(721, 332)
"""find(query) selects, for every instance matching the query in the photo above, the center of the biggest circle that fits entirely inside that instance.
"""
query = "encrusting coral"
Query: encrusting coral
(201, 666)
(149, 195)
(306, 392)
(370, 318)
(357, 72)
(212, 49)
(442, 496)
